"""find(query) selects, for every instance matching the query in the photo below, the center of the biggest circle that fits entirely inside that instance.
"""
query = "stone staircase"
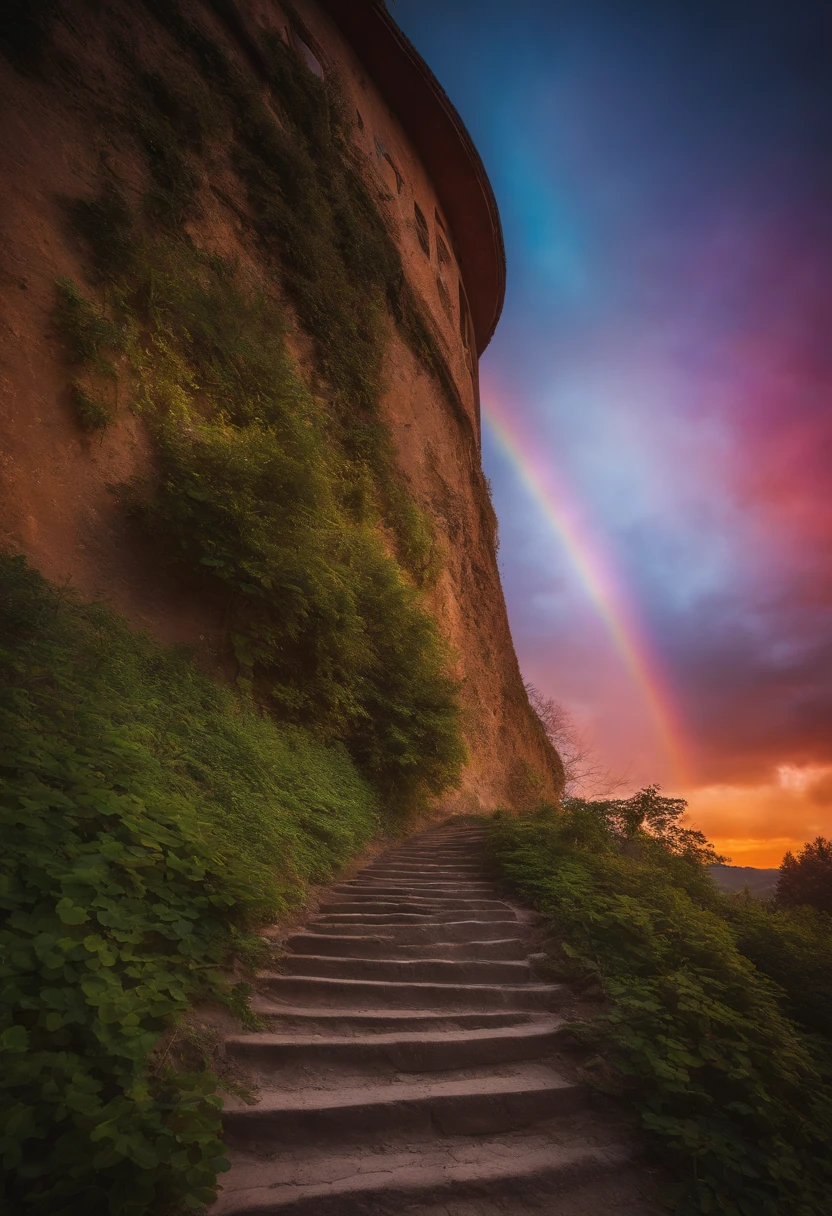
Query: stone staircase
(413, 1065)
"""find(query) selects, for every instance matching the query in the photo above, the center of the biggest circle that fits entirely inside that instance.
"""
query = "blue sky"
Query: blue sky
(664, 180)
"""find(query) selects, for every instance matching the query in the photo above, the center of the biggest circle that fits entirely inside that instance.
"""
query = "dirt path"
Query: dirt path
(414, 1061)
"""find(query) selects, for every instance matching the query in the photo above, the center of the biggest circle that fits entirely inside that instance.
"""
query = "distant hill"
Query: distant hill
(733, 878)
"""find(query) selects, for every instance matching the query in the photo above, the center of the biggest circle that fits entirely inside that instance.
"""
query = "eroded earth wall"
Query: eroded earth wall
(79, 100)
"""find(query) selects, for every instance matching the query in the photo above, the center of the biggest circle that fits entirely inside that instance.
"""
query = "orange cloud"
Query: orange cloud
(756, 824)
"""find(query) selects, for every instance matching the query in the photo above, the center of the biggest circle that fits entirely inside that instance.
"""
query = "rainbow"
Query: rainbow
(597, 576)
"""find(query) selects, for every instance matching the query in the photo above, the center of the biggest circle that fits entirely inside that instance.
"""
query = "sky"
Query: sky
(658, 396)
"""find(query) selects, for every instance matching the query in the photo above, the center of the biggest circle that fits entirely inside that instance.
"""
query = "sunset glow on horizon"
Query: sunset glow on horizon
(657, 400)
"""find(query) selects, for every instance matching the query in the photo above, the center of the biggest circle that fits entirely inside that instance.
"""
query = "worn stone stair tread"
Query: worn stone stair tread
(427, 895)
(397, 1174)
(376, 946)
(410, 1060)
(383, 886)
(436, 917)
(456, 930)
(432, 970)
(526, 1079)
(401, 1019)
(376, 907)
(408, 1052)
(419, 994)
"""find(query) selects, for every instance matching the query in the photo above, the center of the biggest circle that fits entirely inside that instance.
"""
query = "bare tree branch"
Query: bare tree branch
(586, 775)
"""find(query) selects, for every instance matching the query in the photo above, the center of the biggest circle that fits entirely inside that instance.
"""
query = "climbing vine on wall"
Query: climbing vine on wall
(285, 499)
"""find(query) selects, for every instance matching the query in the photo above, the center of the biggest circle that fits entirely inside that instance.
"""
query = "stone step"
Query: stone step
(427, 1051)
(570, 1179)
(422, 1109)
(412, 970)
(469, 929)
(406, 878)
(447, 861)
(315, 1019)
(423, 904)
(461, 868)
(408, 1064)
(460, 856)
(437, 917)
(387, 994)
(346, 946)
(381, 886)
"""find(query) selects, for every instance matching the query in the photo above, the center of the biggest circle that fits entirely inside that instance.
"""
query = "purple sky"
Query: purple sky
(664, 176)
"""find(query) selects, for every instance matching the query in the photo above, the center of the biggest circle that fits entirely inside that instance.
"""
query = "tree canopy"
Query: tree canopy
(807, 878)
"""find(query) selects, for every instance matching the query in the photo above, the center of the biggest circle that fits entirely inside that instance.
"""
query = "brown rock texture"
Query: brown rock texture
(56, 506)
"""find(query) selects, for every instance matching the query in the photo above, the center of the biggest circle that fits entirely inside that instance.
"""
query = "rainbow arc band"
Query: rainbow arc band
(598, 579)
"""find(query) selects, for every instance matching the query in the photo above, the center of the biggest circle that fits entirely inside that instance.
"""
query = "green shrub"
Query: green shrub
(794, 948)
(92, 413)
(150, 821)
(288, 502)
(323, 237)
(86, 332)
(727, 1084)
(258, 493)
(806, 880)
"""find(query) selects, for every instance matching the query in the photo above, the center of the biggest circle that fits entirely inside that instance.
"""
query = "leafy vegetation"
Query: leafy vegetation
(89, 336)
(253, 492)
(793, 946)
(287, 501)
(150, 821)
(92, 413)
(806, 880)
(728, 1070)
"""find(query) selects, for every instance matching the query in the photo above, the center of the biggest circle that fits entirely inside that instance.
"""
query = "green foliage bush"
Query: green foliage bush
(89, 336)
(256, 493)
(92, 413)
(287, 501)
(150, 820)
(794, 948)
(734, 1092)
(323, 237)
(806, 880)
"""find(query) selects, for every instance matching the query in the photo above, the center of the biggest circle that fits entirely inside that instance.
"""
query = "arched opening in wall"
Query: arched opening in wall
(387, 168)
(439, 221)
(359, 120)
(442, 251)
(422, 230)
(307, 54)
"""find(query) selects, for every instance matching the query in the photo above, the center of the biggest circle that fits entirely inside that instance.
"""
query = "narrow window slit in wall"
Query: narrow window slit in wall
(399, 178)
(307, 55)
(464, 318)
(445, 298)
(389, 172)
(360, 120)
(440, 222)
(442, 251)
(422, 230)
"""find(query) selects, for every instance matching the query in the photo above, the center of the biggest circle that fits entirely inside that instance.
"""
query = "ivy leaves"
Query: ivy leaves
(702, 1041)
(111, 923)
(147, 821)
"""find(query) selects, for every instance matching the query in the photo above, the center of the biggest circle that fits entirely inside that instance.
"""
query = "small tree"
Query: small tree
(807, 878)
(649, 814)
(582, 769)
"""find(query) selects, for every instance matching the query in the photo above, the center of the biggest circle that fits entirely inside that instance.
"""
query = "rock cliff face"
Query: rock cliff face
(114, 96)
